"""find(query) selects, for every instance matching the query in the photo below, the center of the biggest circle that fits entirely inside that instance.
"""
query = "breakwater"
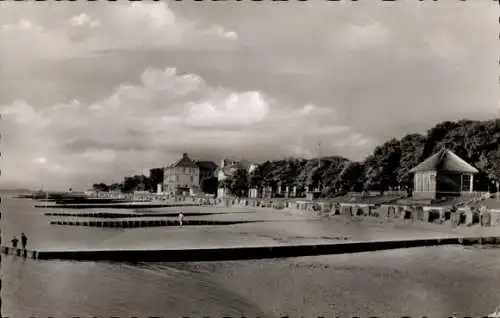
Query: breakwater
(118, 205)
(19, 252)
(146, 223)
(111, 215)
(247, 252)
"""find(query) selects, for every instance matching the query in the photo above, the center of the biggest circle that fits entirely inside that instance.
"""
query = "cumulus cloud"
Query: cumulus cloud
(136, 26)
(309, 74)
(238, 109)
(151, 123)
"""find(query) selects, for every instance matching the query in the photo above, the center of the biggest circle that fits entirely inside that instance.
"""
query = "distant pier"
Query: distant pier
(245, 252)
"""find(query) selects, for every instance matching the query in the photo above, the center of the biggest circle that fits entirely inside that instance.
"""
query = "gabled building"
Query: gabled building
(182, 177)
(443, 174)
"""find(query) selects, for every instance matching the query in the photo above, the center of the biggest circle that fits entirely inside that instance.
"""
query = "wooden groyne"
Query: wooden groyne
(147, 223)
(19, 252)
(111, 215)
(245, 253)
(117, 205)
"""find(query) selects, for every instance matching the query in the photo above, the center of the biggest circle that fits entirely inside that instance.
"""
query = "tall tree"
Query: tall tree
(382, 165)
(155, 178)
(238, 184)
(100, 187)
(210, 185)
(411, 147)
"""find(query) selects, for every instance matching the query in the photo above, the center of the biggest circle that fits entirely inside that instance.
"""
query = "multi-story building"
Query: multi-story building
(182, 177)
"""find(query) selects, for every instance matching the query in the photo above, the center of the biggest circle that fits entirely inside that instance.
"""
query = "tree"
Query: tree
(412, 147)
(210, 185)
(238, 182)
(116, 187)
(155, 178)
(135, 183)
(351, 178)
(382, 166)
(100, 187)
(255, 178)
(477, 142)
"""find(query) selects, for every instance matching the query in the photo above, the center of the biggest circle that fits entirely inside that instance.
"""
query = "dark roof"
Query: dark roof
(185, 161)
(207, 165)
(444, 160)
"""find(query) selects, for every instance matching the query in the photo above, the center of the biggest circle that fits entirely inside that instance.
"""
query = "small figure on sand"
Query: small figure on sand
(24, 240)
(14, 242)
(181, 218)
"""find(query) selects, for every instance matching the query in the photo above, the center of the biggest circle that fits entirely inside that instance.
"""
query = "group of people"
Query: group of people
(24, 238)
(24, 241)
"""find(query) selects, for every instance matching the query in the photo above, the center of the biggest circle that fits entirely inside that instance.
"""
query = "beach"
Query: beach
(429, 281)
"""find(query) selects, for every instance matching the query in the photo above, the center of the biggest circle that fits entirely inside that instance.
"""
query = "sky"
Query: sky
(95, 91)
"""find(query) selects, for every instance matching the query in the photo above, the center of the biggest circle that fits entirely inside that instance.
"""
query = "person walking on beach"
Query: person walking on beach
(14, 242)
(181, 218)
(24, 240)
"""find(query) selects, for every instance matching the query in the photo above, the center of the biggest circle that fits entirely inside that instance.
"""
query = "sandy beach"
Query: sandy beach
(274, 227)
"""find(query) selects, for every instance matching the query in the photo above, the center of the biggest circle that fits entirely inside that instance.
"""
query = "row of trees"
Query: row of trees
(388, 167)
(134, 183)
(143, 183)
(477, 142)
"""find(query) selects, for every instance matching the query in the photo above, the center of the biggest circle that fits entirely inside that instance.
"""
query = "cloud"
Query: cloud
(362, 36)
(136, 26)
(238, 109)
(21, 25)
(39, 160)
(219, 31)
(99, 155)
(150, 124)
(93, 95)
(83, 20)
(441, 44)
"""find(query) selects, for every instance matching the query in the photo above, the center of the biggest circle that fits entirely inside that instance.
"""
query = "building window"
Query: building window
(192, 179)
(177, 178)
(466, 183)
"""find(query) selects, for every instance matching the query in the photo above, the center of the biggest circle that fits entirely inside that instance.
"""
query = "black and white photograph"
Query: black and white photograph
(244, 158)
